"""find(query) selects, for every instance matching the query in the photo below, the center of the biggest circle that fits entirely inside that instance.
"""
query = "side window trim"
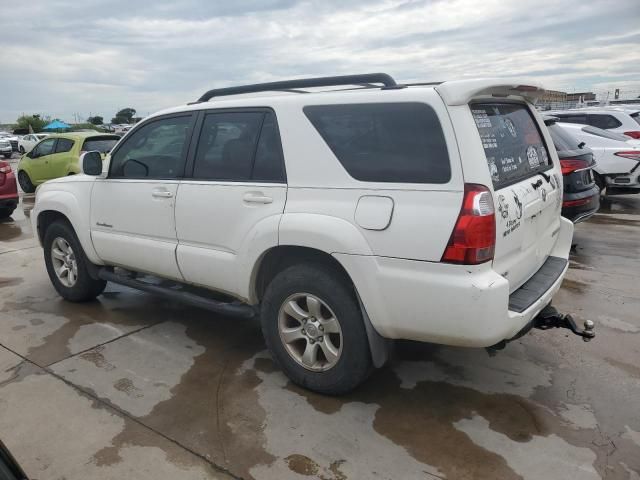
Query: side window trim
(197, 133)
(188, 141)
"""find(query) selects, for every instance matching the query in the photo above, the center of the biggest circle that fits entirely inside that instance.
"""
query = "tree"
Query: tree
(36, 122)
(97, 120)
(124, 116)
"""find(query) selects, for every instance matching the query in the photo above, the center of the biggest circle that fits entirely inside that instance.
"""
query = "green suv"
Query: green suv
(57, 156)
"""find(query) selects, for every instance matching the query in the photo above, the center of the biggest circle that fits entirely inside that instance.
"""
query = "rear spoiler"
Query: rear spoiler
(461, 92)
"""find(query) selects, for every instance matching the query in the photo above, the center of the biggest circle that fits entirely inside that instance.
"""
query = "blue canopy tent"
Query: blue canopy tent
(57, 125)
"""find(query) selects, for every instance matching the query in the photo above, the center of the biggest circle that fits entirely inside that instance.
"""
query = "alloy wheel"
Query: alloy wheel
(310, 332)
(64, 262)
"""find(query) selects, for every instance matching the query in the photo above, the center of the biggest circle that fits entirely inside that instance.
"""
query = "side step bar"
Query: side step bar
(235, 309)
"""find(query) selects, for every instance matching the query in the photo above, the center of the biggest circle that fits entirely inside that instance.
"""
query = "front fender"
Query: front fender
(68, 204)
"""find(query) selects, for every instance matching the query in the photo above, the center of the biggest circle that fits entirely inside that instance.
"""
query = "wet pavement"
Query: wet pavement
(134, 386)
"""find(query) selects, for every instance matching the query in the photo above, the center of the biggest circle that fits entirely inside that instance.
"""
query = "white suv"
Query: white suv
(618, 120)
(342, 218)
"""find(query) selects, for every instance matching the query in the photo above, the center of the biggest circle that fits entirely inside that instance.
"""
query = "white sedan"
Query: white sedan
(617, 157)
(26, 143)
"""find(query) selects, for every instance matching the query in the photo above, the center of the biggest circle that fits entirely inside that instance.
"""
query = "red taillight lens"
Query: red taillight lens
(568, 165)
(633, 134)
(473, 238)
(630, 154)
(576, 203)
(5, 167)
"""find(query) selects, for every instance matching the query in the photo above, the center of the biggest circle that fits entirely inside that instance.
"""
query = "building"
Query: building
(586, 97)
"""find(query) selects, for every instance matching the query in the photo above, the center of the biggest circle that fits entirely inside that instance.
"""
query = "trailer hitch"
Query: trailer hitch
(549, 317)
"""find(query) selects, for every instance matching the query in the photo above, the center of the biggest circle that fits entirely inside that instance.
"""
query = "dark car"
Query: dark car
(8, 190)
(581, 196)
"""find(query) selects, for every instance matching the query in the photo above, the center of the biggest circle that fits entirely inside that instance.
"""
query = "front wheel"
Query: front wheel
(21, 149)
(67, 265)
(25, 182)
(314, 328)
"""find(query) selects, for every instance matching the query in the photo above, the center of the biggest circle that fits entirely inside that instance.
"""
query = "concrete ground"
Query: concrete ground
(134, 386)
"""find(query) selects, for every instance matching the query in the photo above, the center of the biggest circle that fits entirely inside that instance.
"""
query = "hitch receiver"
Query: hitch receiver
(549, 317)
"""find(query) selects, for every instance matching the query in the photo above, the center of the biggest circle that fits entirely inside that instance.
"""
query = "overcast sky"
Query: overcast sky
(89, 56)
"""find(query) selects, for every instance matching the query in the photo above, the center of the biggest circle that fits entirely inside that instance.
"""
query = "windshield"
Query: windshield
(100, 144)
(605, 134)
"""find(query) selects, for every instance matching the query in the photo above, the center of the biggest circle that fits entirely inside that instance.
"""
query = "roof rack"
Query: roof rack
(366, 79)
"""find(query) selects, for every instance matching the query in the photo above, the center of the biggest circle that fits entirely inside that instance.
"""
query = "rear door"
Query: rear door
(234, 199)
(527, 187)
(60, 159)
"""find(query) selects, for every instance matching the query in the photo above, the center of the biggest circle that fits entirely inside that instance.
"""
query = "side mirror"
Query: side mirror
(91, 163)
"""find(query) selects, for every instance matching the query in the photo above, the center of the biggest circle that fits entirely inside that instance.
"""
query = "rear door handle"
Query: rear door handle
(256, 197)
(161, 193)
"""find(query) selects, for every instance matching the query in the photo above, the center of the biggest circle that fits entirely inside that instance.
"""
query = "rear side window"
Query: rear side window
(100, 144)
(563, 140)
(512, 142)
(385, 142)
(64, 145)
(604, 121)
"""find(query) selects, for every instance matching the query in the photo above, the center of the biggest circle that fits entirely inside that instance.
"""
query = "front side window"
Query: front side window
(155, 150)
(44, 148)
(227, 146)
(512, 142)
(385, 142)
(604, 121)
(64, 145)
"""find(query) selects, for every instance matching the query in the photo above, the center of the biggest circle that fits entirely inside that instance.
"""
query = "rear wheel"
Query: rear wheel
(314, 329)
(25, 182)
(67, 265)
(600, 183)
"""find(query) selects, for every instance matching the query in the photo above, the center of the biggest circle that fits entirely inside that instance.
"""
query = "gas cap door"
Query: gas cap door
(374, 212)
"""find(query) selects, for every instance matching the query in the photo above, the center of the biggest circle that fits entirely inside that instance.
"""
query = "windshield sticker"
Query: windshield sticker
(532, 156)
(511, 127)
(493, 169)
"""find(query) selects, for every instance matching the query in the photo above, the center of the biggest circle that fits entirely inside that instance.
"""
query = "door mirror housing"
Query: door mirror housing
(91, 163)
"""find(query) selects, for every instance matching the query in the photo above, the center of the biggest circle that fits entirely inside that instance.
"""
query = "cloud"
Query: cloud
(71, 57)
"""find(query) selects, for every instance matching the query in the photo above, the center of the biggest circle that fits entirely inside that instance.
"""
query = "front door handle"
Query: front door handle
(256, 197)
(161, 193)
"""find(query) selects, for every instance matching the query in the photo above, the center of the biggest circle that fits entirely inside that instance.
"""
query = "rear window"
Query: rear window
(100, 144)
(385, 142)
(512, 142)
(568, 118)
(563, 140)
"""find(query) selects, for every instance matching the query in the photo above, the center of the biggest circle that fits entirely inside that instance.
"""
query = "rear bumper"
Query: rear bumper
(443, 303)
(578, 207)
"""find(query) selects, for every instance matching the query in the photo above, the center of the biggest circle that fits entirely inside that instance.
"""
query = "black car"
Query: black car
(581, 196)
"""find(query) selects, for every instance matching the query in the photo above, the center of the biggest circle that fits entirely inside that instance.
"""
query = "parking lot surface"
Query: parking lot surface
(135, 386)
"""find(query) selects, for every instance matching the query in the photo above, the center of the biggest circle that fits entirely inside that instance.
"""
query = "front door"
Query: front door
(132, 209)
(234, 199)
(40, 157)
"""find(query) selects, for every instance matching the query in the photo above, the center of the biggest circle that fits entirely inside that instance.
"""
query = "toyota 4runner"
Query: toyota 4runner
(343, 218)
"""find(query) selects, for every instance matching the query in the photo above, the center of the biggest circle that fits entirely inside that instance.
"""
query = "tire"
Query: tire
(25, 182)
(83, 288)
(337, 299)
(21, 149)
(6, 212)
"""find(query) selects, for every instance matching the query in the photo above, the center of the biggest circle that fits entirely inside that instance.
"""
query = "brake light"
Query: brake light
(570, 165)
(576, 203)
(633, 134)
(5, 167)
(630, 154)
(473, 238)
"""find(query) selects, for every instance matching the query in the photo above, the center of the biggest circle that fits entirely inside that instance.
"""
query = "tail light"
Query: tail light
(633, 134)
(473, 238)
(570, 165)
(630, 154)
(5, 167)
